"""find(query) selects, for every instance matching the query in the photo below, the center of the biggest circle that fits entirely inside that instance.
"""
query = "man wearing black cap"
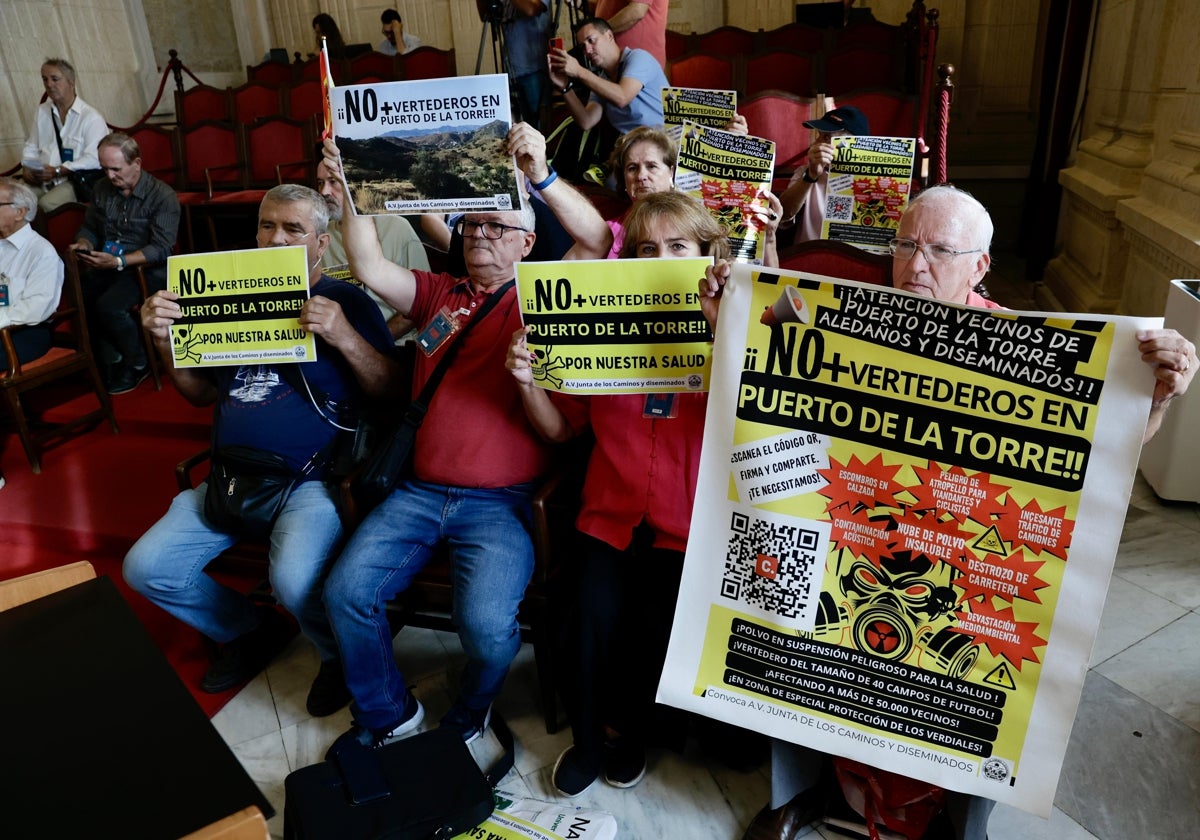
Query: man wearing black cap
(805, 193)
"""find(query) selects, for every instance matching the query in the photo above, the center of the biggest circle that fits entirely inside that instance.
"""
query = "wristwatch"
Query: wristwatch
(567, 87)
(804, 175)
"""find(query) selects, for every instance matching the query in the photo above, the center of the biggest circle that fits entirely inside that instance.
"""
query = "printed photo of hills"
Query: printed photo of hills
(414, 165)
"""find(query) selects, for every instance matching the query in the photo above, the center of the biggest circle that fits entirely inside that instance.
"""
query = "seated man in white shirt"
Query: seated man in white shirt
(395, 42)
(31, 275)
(65, 133)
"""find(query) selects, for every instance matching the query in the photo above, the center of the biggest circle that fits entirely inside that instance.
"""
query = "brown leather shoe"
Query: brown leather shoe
(788, 822)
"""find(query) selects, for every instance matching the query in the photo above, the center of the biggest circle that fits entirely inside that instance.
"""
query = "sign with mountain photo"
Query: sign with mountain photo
(435, 145)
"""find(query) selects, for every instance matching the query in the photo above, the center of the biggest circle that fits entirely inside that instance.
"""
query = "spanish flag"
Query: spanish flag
(326, 92)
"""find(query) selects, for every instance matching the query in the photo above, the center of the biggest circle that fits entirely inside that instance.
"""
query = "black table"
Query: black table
(98, 736)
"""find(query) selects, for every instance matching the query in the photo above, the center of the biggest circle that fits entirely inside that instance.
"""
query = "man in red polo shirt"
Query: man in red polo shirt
(475, 464)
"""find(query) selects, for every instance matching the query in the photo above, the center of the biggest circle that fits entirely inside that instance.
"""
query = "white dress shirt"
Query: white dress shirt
(31, 269)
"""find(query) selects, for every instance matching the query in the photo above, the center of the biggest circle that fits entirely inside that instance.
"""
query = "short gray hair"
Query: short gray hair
(67, 68)
(123, 143)
(21, 195)
(289, 193)
(974, 215)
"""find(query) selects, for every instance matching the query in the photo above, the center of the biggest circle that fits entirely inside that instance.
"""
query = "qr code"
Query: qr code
(838, 207)
(771, 565)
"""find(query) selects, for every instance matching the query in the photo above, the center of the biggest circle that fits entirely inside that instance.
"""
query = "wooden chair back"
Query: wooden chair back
(70, 356)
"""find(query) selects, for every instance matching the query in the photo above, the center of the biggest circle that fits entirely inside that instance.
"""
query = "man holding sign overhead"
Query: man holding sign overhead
(474, 467)
(294, 414)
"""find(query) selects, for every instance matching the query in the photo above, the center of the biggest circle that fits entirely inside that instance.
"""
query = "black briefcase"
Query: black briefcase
(425, 786)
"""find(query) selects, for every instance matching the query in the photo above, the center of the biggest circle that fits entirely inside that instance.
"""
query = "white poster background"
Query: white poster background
(1122, 409)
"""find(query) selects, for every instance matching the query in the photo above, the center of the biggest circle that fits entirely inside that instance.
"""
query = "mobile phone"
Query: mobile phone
(556, 44)
(83, 250)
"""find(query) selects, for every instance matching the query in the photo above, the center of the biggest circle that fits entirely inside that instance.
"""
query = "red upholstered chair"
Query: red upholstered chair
(311, 69)
(274, 143)
(69, 356)
(890, 113)
(255, 100)
(302, 101)
(60, 225)
(157, 145)
(201, 103)
(779, 116)
(209, 146)
(725, 40)
(838, 259)
(789, 70)
(794, 36)
(678, 44)
(427, 63)
(375, 64)
(271, 72)
(854, 67)
(699, 70)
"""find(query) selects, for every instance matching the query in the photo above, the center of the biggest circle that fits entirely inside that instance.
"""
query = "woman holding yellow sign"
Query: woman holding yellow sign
(633, 523)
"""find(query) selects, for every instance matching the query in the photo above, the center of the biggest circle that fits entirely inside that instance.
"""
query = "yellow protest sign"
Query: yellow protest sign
(713, 108)
(727, 172)
(616, 327)
(240, 306)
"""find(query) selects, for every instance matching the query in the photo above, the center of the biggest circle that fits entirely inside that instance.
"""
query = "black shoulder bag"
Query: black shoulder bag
(390, 462)
(247, 487)
(83, 180)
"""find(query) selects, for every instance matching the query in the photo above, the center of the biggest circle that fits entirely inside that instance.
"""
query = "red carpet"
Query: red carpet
(97, 493)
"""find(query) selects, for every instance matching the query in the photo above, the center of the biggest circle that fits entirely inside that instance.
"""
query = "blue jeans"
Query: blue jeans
(167, 566)
(487, 534)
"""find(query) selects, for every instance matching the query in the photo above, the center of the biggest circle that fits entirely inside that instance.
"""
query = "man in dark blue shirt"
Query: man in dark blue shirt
(288, 413)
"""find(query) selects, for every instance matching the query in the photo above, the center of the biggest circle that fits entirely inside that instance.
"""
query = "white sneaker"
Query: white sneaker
(403, 730)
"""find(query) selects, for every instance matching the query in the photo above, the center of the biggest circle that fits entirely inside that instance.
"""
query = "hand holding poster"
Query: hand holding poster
(869, 182)
(906, 518)
(605, 327)
(435, 144)
(727, 172)
(240, 306)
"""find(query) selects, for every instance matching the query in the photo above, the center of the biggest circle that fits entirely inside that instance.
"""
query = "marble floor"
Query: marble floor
(1132, 768)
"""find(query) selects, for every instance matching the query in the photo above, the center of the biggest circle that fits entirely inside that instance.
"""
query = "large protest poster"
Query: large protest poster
(240, 306)
(429, 145)
(727, 172)
(712, 108)
(869, 182)
(616, 327)
(905, 523)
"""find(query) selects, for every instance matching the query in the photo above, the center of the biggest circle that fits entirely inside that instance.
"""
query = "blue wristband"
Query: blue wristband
(550, 179)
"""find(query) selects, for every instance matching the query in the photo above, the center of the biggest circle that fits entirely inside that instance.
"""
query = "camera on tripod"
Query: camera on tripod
(490, 11)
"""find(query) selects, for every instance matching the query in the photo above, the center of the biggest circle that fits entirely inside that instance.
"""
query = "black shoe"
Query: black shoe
(126, 380)
(328, 693)
(575, 771)
(790, 821)
(240, 660)
(358, 735)
(624, 762)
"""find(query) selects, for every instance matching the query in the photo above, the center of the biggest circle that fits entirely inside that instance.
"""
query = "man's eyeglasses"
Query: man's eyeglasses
(906, 249)
(490, 230)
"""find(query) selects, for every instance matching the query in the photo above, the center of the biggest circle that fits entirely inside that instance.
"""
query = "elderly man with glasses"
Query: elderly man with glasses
(940, 251)
(295, 412)
(475, 463)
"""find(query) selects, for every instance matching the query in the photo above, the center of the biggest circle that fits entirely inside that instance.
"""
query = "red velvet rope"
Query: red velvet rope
(943, 127)
(173, 66)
